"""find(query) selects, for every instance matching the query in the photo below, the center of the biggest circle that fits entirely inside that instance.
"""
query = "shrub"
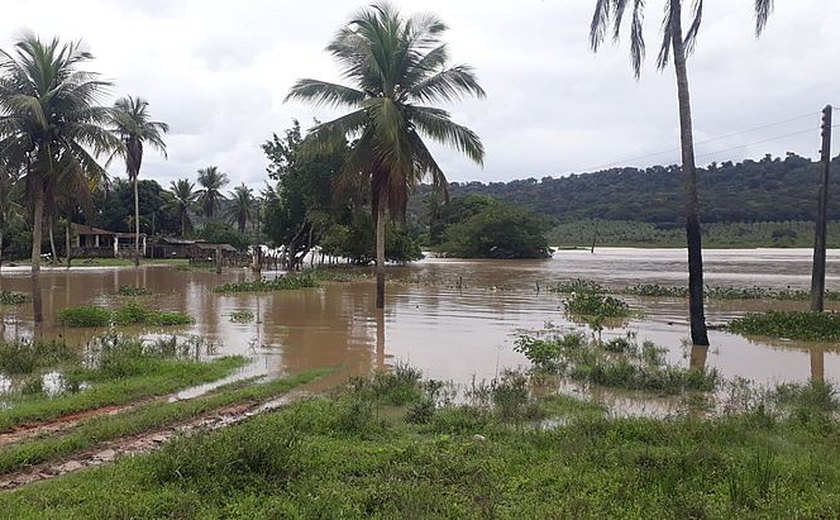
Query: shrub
(594, 304)
(84, 316)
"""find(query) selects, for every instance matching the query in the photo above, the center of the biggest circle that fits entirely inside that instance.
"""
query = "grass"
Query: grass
(25, 356)
(13, 298)
(133, 291)
(594, 304)
(283, 283)
(130, 314)
(619, 363)
(148, 417)
(350, 457)
(242, 316)
(796, 325)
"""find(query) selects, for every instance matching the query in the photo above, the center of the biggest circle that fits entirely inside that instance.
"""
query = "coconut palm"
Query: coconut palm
(183, 202)
(676, 46)
(398, 67)
(242, 208)
(132, 123)
(210, 196)
(51, 126)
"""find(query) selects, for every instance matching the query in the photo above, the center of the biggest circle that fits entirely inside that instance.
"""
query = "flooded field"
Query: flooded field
(454, 319)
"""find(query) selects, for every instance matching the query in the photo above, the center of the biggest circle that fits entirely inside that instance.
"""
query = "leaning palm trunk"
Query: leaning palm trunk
(699, 336)
(37, 236)
(136, 224)
(380, 255)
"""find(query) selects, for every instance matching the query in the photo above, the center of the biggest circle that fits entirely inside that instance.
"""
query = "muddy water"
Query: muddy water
(453, 319)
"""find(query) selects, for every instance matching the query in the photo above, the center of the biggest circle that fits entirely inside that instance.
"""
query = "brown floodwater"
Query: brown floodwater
(454, 319)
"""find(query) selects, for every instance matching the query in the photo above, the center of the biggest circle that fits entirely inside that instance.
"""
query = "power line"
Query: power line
(700, 143)
(769, 139)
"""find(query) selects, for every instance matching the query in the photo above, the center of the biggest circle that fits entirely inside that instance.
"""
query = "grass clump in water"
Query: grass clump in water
(242, 316)
(282, 283)
(795, 325)
(596, 304)
(619, 363)
(130, 314)
(133, 291)
(25, 356)
(13, 298)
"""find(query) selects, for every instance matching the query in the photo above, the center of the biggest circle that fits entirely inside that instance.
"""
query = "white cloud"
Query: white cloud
(218, 72)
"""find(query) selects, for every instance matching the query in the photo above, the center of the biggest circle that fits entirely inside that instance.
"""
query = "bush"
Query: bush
(594, 304)
(85, 316)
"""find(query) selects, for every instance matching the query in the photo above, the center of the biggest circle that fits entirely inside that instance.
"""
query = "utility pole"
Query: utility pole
(818, 273)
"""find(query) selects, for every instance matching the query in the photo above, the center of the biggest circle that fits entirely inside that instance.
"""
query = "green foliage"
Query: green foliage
(800, 325)
(289, 282)
(133, 290)
(498, 230)
(129, 314)
(595, 304)
(115, 208)
(620, 363)
(85, 316)
(222, 233)
(242, 316)
(13, 298)
(25, 356)
(357, 242)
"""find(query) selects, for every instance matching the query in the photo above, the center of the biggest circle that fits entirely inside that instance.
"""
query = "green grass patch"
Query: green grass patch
(282, 283)
(798, 325)
(595, 304)
(130, 314)
(144, 418)
(11, 298)
(242, 316)
(619, 363)
(25, 356)
(133, 291)
(345, 457)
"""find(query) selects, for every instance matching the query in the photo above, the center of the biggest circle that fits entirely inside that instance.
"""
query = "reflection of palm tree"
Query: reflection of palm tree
(398, 66)
(678, 45)
(132, 123)
(242, 206)
(699, 356)
(183, 201)
(817, 364)
(210, 196)
(50, 122)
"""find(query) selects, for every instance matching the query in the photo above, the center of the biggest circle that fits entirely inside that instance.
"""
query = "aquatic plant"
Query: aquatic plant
(129, 314)
(133, 290)
(84, 316)
(621, 363)
(24, 356)
(798, 325)
(241, 316)
(656, 290)
(596, 304)
(282, 283)
(13, 298)
(578, 285)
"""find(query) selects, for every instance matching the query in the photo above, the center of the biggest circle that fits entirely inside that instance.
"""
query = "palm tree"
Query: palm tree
(183, 201)
(131, 122)
(210, 196)
(398, 67)
(50, 120)
(242, 208)
(678, 45)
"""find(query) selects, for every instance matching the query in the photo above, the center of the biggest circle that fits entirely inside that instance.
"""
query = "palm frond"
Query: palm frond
(763, 10)
(438, 125)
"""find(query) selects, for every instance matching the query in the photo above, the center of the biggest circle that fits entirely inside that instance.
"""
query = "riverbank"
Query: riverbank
(392, 447)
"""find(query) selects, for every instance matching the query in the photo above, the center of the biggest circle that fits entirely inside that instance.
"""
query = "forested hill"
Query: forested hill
(766, 190)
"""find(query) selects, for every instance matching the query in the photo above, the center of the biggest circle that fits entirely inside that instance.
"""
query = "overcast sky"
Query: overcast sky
(217, 72)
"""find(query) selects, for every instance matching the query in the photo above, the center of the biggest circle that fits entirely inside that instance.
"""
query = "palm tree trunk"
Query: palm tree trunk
(699, 335)
(37, 237)
(380, 255)
(136, 223)
(52, 240)
(67, 244)
(1, 260)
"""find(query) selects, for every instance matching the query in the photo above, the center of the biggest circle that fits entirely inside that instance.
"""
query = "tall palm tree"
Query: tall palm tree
(398, 67)
(51, 126)
(132, 123)
(183, 201)
(677, 45)
(243, 207)
(210, 196)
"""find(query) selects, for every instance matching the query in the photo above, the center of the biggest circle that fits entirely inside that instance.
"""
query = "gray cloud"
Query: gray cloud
(218, 72)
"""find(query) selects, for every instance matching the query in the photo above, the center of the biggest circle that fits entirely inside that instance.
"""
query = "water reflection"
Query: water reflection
(460, 327)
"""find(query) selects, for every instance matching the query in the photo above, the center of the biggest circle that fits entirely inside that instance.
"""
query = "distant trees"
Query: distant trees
(212, 181)
(183, 202)
(398, 67)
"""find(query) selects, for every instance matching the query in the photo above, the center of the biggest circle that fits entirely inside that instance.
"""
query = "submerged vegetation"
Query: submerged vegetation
(13, 298)
(130, 314)
(133, 290)
(281, 283)
(797, 325)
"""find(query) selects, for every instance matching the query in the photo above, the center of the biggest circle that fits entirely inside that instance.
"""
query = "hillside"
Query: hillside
(772, 189)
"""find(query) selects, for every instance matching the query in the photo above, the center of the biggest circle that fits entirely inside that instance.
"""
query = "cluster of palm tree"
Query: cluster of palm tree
(207, 200)
(54, 127)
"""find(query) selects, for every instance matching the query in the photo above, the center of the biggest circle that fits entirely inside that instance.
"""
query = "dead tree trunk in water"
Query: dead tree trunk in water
(699, 335)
